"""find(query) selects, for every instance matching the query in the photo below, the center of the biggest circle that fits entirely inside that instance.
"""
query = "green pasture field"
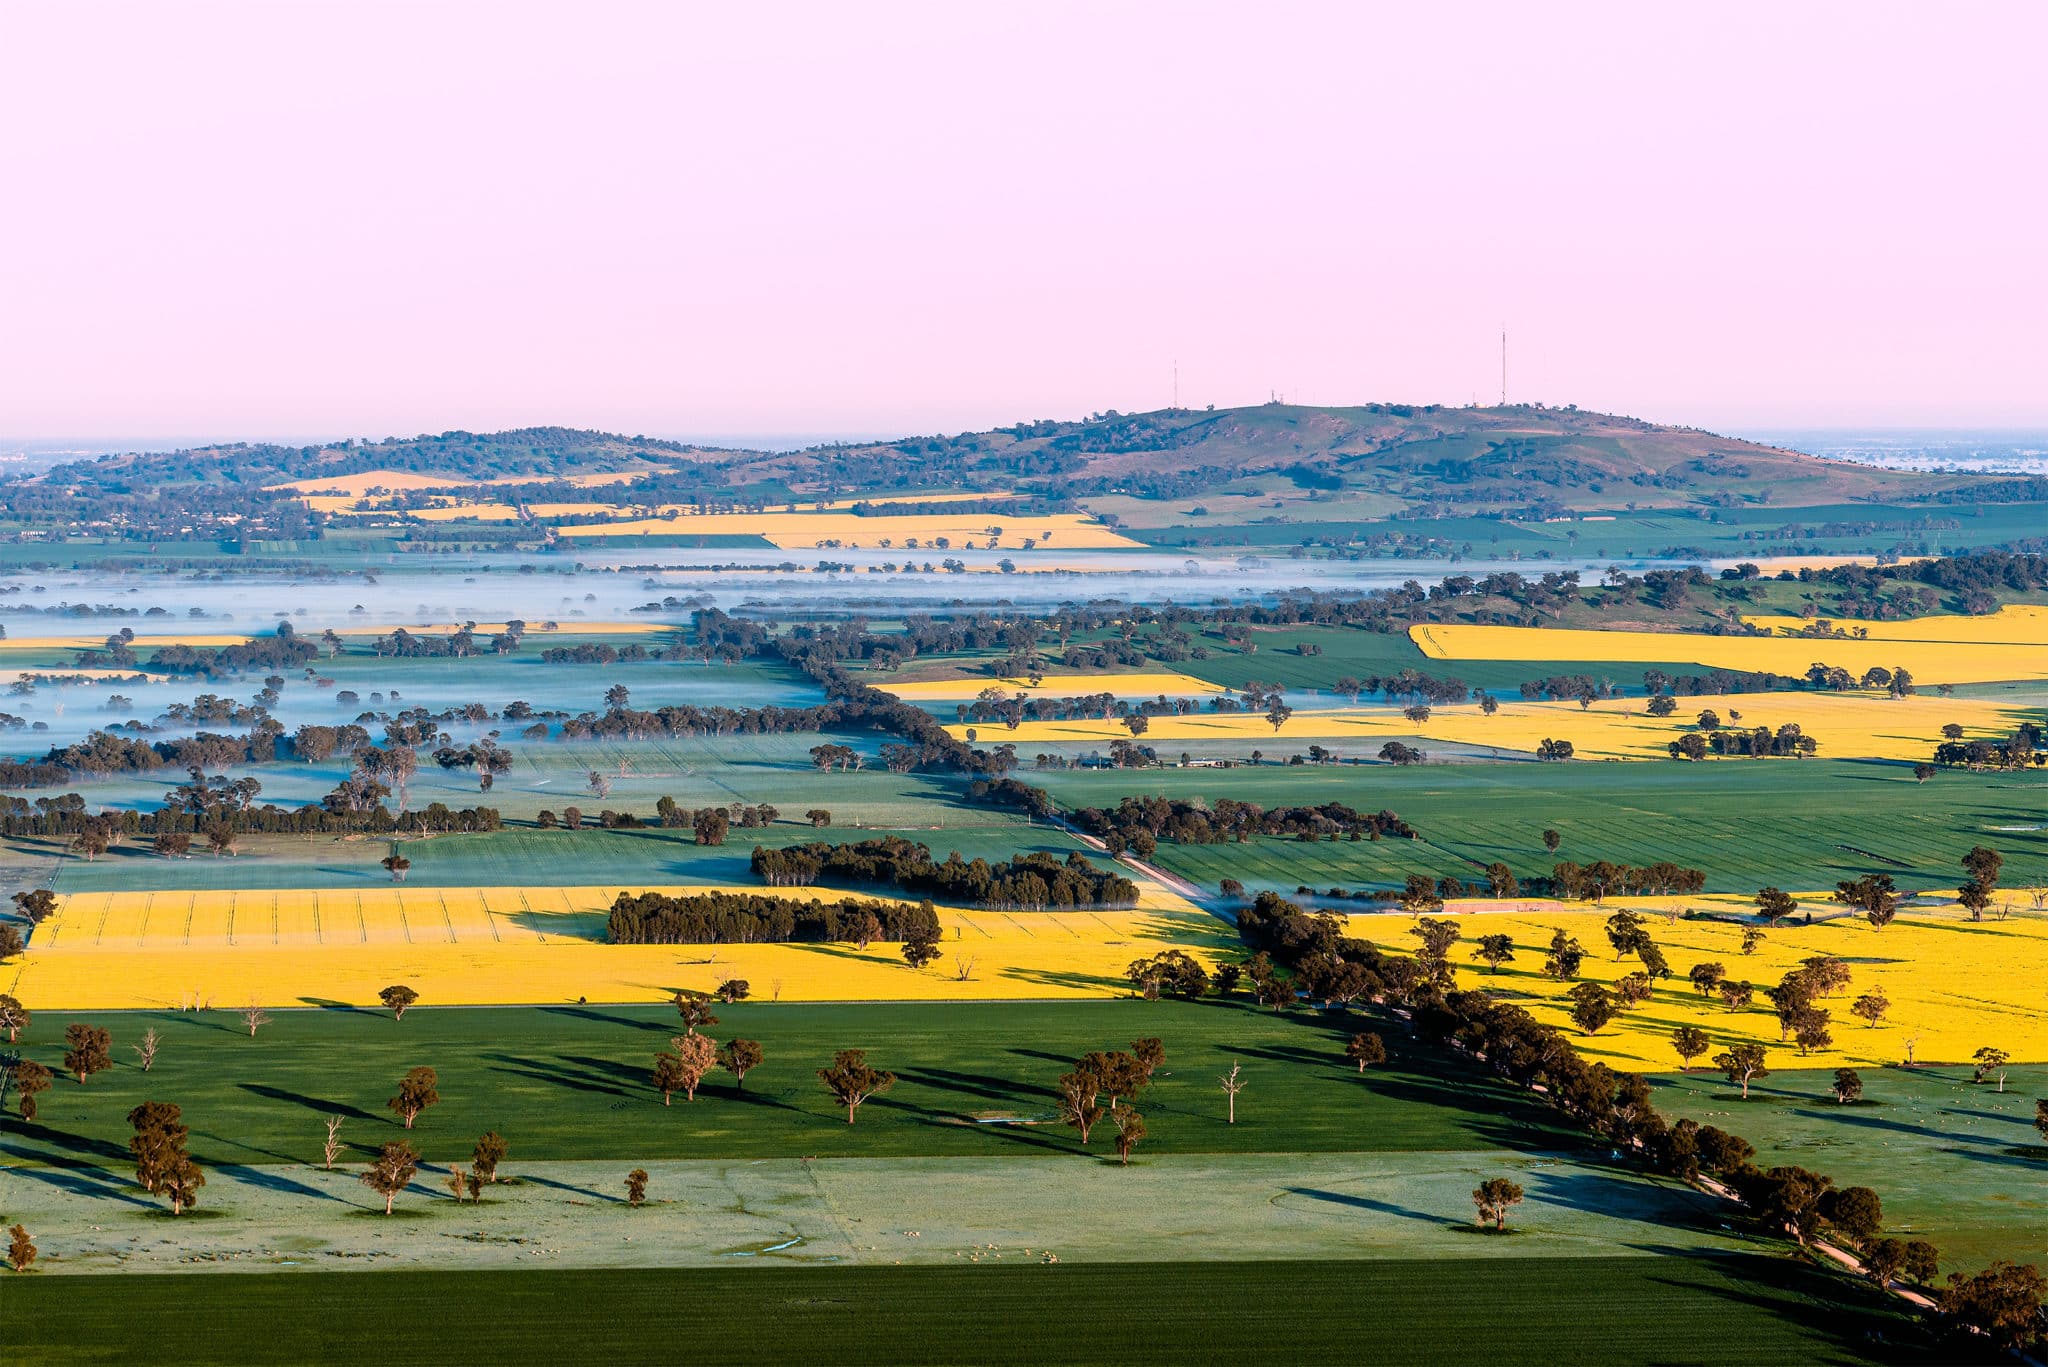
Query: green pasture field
(519, 857)
(572, 1082)
(1954, 1162)
(1361, 654)
(1744, 1309)
(1623, 534)
(1805, 825)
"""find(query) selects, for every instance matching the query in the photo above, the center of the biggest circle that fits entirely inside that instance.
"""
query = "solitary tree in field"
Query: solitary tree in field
(1707, 977)
(1565, 956)
(330, 1149)
(818, 817)
(695, 1010)
(1592, 1007)
(1736, 995)
(458, 1183)
(397, 998)
(1688, 1042)
(1366, 1050)
(1752, 936)
(1871, 1006)
(1232, 1084)
(1848, 1086)
(88, 1050)
(734, 990)
(1744, 1064)
(1551, 840)
(1495, 950)
(21, 1249)
(1989, 1061)
(668, 1075)
(14, 1018)
(1130, 1126)
(162, 1165)
(1494, 1198)
(1775, 905)
(255, 1017)
(489, 1152)
(636, 1187)
(697, 1055)
(1080, 1105)
(920, 950)
(30, 1079)
(740, 1057)
(852, 1081)
(146, 1051)
(395, 864)
(393, 1171)
(416, 1092)
(12, 946)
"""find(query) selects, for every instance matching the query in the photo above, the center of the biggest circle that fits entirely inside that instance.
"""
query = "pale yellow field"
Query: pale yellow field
(1060, 686)
(803, 531)
(2013, 624)
(351, 487)
(1931, 662)
(482, 946)
(506, 512)
(1955, 986)
(99, 642)
(1846, 726)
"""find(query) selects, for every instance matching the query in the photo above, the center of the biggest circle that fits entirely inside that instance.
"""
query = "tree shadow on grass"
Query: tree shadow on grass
(1340, 1198)
(973, 1084)
(101, 1185)
(340, 1108)
(607, 1018)
(272, 1180)
(536, 1070)
(41, 1140)
(528, 1178)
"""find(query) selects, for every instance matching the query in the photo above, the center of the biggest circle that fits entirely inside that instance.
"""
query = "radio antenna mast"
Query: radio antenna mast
(1503, 367)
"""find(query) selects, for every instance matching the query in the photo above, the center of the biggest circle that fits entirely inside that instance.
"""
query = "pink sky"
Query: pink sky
(310, 220)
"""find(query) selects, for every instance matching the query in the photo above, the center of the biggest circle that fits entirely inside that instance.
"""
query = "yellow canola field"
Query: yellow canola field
(1060, 686)
(2013, 624)
(1846, 726)
(488, 946)
(1955, 985)
(803, 531)
(352, 487)
(1931, 662)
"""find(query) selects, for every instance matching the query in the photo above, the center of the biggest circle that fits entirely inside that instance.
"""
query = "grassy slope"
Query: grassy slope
(1591, 1311)
(1955, 1163)
(1803, 825)
(572, 1082)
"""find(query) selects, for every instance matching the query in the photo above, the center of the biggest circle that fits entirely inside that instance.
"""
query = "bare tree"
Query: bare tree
(145, 1052)
(331, 1149)
(255, 1017)
(1232, 1084)
(963, 967)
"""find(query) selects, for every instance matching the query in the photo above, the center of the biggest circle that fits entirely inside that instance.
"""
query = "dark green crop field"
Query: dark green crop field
(1805, 825)
(1592, 1311)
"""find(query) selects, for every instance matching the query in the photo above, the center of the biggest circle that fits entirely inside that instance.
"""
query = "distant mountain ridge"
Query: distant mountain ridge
(1430, 457)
